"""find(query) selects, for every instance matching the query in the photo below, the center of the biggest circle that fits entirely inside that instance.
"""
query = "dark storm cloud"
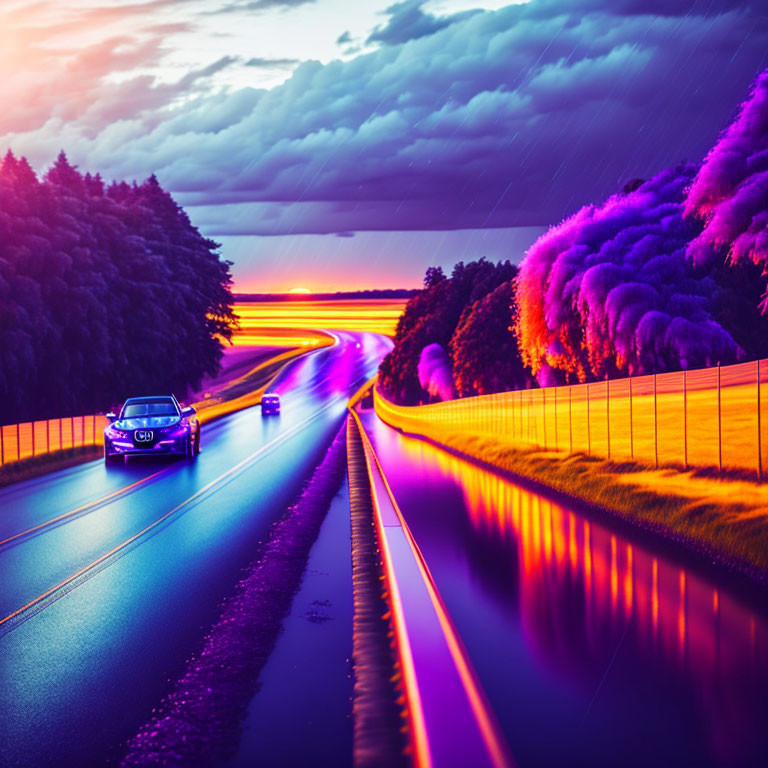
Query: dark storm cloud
(647, 7)
(514, 117)
(407, 21)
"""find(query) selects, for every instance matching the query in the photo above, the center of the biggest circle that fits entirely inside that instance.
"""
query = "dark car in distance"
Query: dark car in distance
(151, 426)
(270, 405)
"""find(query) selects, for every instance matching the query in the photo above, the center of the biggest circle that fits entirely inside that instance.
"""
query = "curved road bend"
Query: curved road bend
(594, 649)
(110, 577)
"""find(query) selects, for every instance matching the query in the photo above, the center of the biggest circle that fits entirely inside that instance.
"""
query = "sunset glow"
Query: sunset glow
(288, 323)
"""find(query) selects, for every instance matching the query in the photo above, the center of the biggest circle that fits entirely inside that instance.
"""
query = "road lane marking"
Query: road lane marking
(291, 432)
(84, 507)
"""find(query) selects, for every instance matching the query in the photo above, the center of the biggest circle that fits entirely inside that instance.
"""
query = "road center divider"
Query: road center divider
(451, 724)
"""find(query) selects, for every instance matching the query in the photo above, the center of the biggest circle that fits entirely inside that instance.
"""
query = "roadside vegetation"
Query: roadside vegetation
(454, 337)
(668, 274)
(105, 291)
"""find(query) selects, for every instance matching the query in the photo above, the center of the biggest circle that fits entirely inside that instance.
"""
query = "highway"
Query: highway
(594, 646)
(109, 577)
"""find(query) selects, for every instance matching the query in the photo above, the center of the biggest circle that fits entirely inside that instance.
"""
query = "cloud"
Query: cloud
(498, 119)
(407, 21)
(271, 63)
(261, 5)
(344, 38)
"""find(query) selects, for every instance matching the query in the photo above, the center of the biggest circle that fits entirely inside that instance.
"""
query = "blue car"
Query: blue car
(151, 426)
(270, 405)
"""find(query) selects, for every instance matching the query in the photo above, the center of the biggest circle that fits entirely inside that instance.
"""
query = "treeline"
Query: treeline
(106, 291)
(668, 274)
(454, 337)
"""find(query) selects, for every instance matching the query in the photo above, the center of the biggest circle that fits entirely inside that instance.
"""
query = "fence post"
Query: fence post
(544, 414)
(570, 415)
(608, 414)
(759, 429)
(631, 424)
(61, 437)
(589, 429)
(534, 429)
(33, 437)
(719, 424)
(529, 416)
(685, 419)
(655, 424)
(557, 443)
(18, 443)
(47, 435)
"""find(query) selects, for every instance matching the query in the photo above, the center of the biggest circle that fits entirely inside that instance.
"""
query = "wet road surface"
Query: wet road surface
(81, 668)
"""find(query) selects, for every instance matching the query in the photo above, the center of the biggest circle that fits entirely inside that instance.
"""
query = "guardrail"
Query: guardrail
(451, 723)
(35, 438)
(713, 417)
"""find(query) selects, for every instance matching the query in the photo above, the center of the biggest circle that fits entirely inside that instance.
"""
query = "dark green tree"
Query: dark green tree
(104, 292)
(484, 349)
(431, 317)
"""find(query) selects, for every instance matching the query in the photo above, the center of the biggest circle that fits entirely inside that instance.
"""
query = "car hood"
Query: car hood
(147, 422)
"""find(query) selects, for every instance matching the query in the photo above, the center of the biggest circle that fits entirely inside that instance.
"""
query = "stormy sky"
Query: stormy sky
(339, 144)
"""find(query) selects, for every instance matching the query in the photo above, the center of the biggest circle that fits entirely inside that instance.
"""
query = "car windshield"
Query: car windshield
(165, 407)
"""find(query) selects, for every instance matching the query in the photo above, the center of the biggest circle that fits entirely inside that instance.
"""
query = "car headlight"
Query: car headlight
(117, 433)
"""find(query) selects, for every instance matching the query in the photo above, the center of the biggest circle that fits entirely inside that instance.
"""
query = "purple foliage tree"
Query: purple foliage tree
(610, 290)
(730, 191)
(435, 374)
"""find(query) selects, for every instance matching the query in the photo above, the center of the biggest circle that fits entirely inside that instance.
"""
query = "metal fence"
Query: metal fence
(34, 438)
(713, 417)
